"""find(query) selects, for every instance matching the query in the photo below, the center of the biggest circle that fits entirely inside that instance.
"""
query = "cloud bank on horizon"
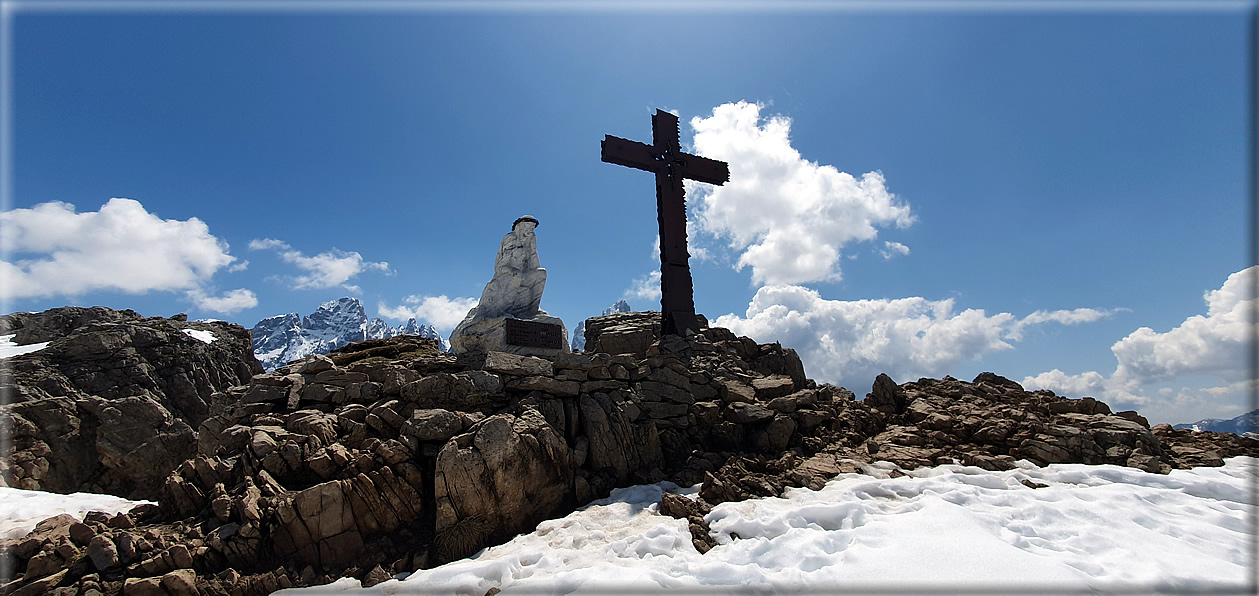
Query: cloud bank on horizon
(1150, 364)
(442, 312)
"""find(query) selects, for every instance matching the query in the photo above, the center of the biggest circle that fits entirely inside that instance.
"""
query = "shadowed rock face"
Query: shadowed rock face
(388, 455)
(111, 403)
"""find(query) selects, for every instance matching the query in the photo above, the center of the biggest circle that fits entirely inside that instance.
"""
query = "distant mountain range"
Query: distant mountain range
(1246, 423)
(282, 339)
(579, 332)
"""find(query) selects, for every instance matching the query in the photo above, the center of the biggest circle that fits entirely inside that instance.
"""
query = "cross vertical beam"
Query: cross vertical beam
(664, 158)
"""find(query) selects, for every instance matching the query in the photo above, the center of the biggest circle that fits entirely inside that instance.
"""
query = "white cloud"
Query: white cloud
(851, 342)
(266, 243)
(1160, 370)
(891, 249)
(230, 302)
(789, 217)
(439, 311)
(1091, 383)
(121, 247)
(1064, 317)
(324, 270)
(646, 287)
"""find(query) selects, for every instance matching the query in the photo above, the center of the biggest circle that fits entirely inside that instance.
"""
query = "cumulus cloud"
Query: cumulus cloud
(324, 270)
(789, 218)
(851, 342)
(439, 311)
(121, 247)
(1063, 317)
(646, 287)
(1147, 361)
(891, 249)
(228, 303)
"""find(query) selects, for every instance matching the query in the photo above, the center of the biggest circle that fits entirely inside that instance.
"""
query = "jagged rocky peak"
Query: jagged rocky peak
(284, 338)
(579, 332)
(344, 315)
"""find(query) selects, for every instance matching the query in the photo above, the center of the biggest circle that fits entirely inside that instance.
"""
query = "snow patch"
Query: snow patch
(198, 334)
(8, 348)
(21, 510)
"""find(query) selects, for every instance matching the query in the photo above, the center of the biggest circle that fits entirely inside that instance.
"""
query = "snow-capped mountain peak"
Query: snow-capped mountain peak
(1246, 425)
(281, 339)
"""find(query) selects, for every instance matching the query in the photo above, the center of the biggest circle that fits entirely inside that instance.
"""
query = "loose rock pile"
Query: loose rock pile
(388, 455)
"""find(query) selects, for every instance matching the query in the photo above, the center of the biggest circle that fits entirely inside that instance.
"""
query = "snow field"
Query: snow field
(1091, 528)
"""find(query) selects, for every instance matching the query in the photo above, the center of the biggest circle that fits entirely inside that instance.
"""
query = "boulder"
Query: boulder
(503, 478)
(885, 396)
(623, 333)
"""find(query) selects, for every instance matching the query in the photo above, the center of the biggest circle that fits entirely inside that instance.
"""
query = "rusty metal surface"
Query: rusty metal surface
(624, 152)
(665, 158)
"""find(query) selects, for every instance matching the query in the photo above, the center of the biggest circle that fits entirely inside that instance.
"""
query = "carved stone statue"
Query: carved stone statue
(516, 290)
(507, 318)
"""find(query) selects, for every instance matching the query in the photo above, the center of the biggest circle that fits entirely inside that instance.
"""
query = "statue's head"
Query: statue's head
(525, 219)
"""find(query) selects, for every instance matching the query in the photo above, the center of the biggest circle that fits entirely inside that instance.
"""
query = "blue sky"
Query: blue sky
(920, 191)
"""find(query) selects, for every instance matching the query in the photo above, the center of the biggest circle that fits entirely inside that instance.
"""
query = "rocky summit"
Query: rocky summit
(389, 455)
(111, 404)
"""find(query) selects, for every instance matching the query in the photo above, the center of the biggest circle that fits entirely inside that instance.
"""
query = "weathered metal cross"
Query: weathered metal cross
(664, 157)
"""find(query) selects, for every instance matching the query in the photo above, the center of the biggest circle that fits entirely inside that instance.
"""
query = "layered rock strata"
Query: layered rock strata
(111, 404)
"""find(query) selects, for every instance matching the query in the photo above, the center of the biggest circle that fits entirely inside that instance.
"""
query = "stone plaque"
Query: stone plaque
(532, 334)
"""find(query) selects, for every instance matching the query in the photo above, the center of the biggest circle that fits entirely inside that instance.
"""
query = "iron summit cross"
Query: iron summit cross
(664, 157)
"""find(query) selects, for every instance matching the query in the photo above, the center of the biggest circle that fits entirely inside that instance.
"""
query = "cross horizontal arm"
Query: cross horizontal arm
(702, 169)
(624, 152)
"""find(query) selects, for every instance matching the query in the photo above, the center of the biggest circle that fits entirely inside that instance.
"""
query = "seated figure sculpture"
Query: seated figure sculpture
(515, 292)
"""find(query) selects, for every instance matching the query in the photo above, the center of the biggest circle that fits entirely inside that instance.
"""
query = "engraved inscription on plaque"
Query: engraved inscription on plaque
(532, 334)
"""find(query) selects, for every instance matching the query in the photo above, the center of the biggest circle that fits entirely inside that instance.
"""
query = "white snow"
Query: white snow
(8, 348)
(952, 527)
(204, 336)
(21, 509)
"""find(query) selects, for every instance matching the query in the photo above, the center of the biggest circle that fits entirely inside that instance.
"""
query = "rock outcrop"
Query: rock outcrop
(579, 330)
(111, 404)
(389, 455)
